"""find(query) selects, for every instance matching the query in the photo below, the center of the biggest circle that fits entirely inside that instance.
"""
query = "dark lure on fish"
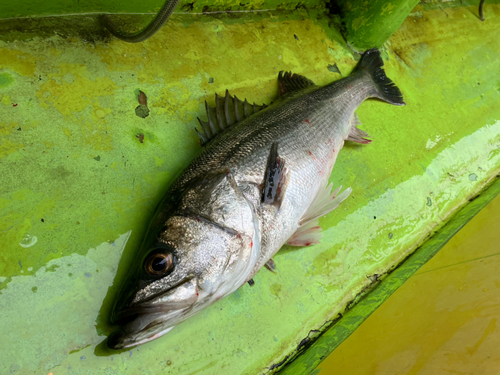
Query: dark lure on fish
(261, 182)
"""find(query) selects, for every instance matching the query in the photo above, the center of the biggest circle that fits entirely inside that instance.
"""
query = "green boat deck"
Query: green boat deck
(81, 173)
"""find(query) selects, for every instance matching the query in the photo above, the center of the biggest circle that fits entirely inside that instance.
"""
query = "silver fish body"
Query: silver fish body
(224, 217)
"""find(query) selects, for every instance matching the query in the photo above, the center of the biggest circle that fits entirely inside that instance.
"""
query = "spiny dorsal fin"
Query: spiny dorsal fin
(228, 111)
(288, 82)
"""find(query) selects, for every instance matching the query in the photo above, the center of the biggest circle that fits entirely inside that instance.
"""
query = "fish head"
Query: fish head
(202, 252)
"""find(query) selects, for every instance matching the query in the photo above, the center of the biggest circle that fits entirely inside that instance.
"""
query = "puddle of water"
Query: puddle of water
(51, 314)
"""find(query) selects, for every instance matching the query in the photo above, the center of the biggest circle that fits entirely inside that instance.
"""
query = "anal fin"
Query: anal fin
(309, 232)
(325, 201)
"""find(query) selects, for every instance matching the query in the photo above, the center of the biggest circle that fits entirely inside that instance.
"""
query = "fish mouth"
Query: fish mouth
(123, 316)
(122, 340)
(147, 321)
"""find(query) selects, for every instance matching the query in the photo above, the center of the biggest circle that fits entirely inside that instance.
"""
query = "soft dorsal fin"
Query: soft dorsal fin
(288, 82)
(228, 111)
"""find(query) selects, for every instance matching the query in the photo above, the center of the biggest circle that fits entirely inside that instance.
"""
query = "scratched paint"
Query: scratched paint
(79, 162)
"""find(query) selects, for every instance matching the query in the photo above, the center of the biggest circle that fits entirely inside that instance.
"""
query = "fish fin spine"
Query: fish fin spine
(371, 63)
(228, 111)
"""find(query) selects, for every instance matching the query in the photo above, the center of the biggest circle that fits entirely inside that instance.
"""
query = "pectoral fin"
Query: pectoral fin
(275, 178)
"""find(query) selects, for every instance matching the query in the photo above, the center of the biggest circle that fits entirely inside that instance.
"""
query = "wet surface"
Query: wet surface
(82, 174)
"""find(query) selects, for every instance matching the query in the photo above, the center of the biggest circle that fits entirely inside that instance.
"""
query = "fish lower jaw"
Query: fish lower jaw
(155, 336)
(114, 342)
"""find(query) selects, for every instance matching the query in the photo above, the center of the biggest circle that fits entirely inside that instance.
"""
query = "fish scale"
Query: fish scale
(245, 150)
(214, 226)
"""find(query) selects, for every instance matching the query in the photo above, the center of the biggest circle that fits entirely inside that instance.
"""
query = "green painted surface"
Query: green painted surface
(370, 23)
(5, 79)
(81, 174)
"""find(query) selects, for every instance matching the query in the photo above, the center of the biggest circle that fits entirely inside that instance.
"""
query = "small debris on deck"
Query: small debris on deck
(142, 109)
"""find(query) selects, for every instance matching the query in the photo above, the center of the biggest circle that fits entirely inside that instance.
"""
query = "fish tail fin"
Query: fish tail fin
(371, 63)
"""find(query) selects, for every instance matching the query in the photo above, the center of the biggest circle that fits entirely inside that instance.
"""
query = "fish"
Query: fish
(260, 182)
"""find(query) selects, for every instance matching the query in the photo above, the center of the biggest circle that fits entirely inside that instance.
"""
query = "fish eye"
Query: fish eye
(159, 262)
